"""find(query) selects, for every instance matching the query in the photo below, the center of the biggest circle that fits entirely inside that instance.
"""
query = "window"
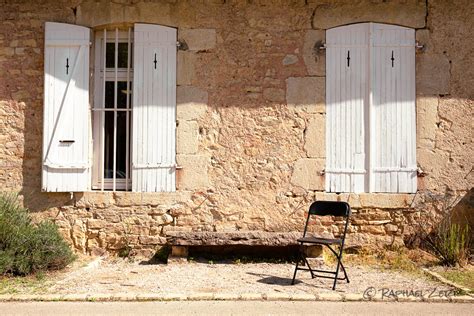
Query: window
(122, 135)
(370, 108)
(112, 110)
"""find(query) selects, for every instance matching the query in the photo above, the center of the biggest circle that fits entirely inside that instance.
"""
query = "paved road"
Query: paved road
(233, 308)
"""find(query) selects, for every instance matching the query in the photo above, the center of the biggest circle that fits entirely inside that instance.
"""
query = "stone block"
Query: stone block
(314, 58)
(251, 297)
(191, 103)
(306, 94)
(199, 39)
(93, 13)
(152, 240)
(201, 296)
(193, 174)
(432, 74)
(303, 297)
(187, 137)
(426, 119)
(179, 251)
(315, 137)
(410, 13)
(94, 199)
(385, 200)
(306, 174)
(274, 94)
(166, 199)
(186, 72)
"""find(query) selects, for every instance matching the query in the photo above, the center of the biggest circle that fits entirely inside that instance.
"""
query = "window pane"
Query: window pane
(121, 144)
(122, 55)
(109, 94)
(121, 95)
(109, 145)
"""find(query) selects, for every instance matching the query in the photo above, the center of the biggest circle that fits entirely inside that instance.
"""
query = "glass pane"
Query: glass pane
(109, 145)
(121, 144)
(109, 94)
(122, 55)
(121, 95)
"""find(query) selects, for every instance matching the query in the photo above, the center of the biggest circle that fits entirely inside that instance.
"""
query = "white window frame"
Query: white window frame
(99, 182)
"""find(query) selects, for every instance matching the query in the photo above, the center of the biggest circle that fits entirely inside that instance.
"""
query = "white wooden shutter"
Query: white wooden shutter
(392, 112)
(66, 108)
(346, 98)
(154, 109)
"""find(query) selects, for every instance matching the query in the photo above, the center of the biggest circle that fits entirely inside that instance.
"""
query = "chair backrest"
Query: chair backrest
(333, 208)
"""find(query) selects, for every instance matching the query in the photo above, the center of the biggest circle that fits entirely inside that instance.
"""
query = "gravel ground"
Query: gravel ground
(119, 276)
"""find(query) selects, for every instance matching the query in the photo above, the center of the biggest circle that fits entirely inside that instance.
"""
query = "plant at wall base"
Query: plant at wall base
(439, 233)
(450, 242)
(126, 250)
(26, 247)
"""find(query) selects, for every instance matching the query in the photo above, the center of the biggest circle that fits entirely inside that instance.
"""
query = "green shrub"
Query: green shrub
(25, 247)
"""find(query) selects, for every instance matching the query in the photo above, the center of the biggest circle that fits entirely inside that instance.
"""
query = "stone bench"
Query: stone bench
(181, 241)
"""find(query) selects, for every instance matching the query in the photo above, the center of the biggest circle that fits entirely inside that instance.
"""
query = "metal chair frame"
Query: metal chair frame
(325, 208)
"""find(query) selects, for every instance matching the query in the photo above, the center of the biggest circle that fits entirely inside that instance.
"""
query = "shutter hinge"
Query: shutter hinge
(178, 44)
(322, 46)
(420, 173)
(419, 47)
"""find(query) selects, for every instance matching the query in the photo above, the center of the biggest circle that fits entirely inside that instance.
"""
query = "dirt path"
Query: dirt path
(119, 276)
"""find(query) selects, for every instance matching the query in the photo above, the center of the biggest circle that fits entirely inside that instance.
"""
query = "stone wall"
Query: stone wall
(251, 118)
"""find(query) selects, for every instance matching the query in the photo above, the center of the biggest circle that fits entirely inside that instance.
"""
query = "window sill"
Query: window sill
(105, 199)
(371, 200)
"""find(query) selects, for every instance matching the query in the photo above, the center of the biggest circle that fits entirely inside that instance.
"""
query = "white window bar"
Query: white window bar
(102, 160)
(114, 171)
(127, 113)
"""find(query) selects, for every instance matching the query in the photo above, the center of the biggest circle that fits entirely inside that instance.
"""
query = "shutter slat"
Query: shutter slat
(66, 166)
(154, 119)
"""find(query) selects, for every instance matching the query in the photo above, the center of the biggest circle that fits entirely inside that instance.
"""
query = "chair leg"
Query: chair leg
(339, 257)
(298, 258)
(340, 261)
(296, 270)
(309, 267)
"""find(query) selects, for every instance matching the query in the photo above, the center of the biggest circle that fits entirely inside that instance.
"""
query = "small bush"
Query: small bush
(450, 242)
(25, 247)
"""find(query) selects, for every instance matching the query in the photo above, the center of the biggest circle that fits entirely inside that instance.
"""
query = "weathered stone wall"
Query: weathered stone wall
(251, 117)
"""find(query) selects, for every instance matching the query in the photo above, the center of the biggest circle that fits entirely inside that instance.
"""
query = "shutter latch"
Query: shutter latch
(155, 61)
(67, 66)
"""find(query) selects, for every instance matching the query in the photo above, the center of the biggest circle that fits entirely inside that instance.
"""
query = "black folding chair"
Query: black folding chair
(324, 208)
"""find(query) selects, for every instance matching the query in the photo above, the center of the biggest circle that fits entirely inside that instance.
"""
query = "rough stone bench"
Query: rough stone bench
(181, 241)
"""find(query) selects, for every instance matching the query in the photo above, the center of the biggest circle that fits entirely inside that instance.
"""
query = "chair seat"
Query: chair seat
(316, 240)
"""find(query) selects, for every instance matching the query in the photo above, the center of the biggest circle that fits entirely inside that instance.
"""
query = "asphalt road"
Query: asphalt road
(233, 308)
